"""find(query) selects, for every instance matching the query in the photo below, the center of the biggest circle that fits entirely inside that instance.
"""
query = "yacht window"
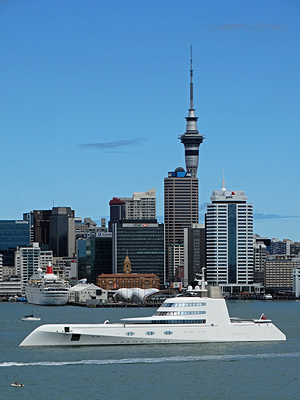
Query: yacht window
(130, 333)
(183, 304)
(150, 333)
(168, 333)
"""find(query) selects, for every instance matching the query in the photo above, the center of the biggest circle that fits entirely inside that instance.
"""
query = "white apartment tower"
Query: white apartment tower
(142, 205)
(229, 238)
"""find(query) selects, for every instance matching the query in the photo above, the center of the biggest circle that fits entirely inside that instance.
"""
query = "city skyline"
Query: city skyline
(95, 96)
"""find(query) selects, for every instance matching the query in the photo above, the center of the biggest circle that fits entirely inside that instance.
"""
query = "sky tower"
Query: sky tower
(191, 139)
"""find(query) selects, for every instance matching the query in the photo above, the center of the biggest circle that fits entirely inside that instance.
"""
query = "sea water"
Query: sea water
(199, 371)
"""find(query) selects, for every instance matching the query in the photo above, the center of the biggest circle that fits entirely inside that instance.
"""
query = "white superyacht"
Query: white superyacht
(198, 316)
(47, 289)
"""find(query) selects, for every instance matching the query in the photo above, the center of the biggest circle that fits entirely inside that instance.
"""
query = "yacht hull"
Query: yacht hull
(129, 334)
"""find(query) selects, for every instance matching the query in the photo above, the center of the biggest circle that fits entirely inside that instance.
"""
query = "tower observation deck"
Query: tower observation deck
(191, 139)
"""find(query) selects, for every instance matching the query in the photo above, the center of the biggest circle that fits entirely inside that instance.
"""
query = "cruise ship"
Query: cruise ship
(198, 316)
(47, 289)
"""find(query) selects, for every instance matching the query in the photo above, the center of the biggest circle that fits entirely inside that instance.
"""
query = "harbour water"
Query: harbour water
(210, 371)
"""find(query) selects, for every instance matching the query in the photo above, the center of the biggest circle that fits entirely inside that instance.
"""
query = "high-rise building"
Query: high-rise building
(142, 206)
(180, 211)
(27, 261)
(117, 211)
(279, 272)
(181, 198)
(143, 242)
(229, 238)
(62, 232)
(194, 253)
(94, 256)
(13, 234)
(260, 254)
(41, 227)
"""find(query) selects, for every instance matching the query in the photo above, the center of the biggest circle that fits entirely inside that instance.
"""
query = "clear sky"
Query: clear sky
(94, 93)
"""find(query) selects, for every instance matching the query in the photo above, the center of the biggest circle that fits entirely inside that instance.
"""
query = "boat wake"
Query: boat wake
(181, 359)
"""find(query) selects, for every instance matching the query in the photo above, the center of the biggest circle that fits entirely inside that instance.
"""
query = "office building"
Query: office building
(29, 217)
(94, 256)
(229, 238)
(41, 227)
(279, 273)
(62, 232)
(27, 261)
(142, 206)
(180, 211)
(143, 242)
(13, 234)
(194, 253)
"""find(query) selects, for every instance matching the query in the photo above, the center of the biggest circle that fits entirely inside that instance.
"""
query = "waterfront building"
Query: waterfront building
(128, 279)
(143, 242)
(229, 238)
(87, 293)
(181, 193)
(62, 232)
(279, 272)
(11, 287)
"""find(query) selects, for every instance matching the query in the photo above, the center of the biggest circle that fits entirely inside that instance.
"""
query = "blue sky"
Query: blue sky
(95, 93)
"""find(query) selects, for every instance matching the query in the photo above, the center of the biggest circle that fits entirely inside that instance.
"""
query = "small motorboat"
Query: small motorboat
(30, 318)
(17, 384)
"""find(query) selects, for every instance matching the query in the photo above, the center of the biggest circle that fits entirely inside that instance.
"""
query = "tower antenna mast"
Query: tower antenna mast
(191, 83)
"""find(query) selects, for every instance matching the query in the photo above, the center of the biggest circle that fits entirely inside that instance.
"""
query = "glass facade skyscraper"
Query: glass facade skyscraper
(14, 233)
(143, 242)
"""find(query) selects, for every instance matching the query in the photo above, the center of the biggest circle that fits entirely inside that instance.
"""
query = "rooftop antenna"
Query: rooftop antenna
(191, 83)
(223, 182)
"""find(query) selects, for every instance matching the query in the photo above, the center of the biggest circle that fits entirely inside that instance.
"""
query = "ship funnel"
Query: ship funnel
(49, 269)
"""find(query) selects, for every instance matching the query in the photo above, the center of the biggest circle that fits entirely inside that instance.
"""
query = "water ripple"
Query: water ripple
(233, 357)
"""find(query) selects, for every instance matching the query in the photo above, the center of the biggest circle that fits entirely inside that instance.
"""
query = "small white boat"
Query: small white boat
(17, 384)
(30, 318)
(268, 296)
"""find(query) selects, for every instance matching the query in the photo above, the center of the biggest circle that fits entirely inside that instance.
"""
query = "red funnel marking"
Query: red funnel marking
(49, 270)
